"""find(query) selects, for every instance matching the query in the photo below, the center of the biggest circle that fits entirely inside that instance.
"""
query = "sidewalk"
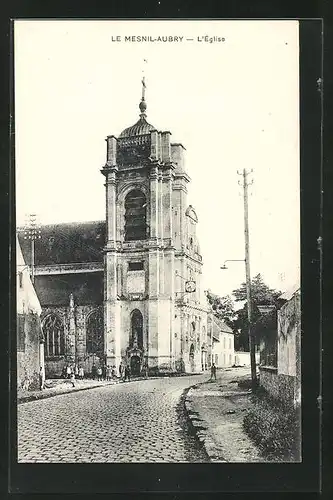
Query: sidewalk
(56, 387)
(216, 410)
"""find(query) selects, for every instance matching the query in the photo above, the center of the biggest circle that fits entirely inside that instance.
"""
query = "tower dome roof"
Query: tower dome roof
(141, 127)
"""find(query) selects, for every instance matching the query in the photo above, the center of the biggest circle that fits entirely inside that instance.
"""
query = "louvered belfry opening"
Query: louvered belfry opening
(135, 216)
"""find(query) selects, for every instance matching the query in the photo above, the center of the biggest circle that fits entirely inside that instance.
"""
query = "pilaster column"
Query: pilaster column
(167, 207)
(110, 186)
(166, 147)
(154, 149)
(111, 154)
(111, 310)
(153, 178)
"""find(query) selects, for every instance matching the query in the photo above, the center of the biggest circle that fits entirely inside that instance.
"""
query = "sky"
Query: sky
(233, 104)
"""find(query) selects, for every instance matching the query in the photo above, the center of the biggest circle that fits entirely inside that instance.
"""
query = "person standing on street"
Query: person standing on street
(99, 374)
(41, 379)
(213, 372)
(73, 376)
(81, 372)
(127, 373)
(108, 373)
(121, 371)
(68, 371)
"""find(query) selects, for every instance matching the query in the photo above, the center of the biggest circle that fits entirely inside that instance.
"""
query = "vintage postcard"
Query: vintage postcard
(157, 174)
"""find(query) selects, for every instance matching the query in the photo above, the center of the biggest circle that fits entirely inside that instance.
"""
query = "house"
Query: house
(30, 347)
(222, 344)
(280, 368)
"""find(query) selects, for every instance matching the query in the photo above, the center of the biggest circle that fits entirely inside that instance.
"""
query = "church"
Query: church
(128, 289)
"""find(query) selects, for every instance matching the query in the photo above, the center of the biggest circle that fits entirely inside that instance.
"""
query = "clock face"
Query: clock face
(190, 286)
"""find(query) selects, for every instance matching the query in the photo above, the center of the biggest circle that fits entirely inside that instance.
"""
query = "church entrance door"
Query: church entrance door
(135, 366)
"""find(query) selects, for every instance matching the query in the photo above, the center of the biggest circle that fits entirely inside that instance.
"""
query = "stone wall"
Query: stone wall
(269, 380)
(289, 317)
(279, 386)
(289, 350)
(242, 358)
(29, 332)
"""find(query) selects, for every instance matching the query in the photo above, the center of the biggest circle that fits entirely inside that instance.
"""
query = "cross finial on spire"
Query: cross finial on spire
(143, 87)
(143, 105)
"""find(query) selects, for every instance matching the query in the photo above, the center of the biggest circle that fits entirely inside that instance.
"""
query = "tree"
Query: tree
(223, 307)
(261, 294)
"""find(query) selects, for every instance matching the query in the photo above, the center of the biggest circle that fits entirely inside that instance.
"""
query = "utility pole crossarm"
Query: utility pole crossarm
(32, 232)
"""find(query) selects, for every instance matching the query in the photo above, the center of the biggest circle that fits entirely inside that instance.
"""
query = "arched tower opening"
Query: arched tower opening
(136, 329)
(135, 216)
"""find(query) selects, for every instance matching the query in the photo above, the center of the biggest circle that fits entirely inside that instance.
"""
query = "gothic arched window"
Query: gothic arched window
(135, 216)
(95, 329)
(137, 329)
(53, 331)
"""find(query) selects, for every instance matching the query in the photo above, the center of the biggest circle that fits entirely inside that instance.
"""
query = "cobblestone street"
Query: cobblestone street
(139, 421)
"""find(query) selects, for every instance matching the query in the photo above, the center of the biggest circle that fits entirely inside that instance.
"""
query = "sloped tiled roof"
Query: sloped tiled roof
(87, 288)
(221, 326)
(67, 243)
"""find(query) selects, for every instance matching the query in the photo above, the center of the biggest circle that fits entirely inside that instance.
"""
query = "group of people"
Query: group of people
(104, 372)
(73, 372)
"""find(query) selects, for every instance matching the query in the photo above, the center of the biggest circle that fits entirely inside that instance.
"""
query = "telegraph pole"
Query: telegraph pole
(32, 232)
(245, 185)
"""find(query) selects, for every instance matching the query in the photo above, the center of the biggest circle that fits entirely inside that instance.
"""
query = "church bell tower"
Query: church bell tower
(151, 321)
(139, 253)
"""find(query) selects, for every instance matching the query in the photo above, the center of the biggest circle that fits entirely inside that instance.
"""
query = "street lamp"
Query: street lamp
(231, 260)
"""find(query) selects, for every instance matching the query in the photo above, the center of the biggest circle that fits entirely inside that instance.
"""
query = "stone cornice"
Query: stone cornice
(182, 175)
(185, 306)
(73, 268)
(181, 253)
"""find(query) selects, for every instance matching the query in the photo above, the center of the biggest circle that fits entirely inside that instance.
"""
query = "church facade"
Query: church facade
(128, 289)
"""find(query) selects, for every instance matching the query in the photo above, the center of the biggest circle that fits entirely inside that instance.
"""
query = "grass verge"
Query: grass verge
(274, 428)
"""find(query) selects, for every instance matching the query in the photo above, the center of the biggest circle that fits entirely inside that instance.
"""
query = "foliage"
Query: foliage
(274, 428)
(261, 294)
(223, 307)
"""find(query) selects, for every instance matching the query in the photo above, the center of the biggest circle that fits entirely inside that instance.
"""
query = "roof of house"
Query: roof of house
(219, 326)
(87, 288)
(66, 243)
(223, 327)
(26, 297)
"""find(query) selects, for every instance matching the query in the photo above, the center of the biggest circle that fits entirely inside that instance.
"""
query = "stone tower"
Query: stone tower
(151, 251)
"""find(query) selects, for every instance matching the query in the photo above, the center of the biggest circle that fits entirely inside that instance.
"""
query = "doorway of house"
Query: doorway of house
(135, 366)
